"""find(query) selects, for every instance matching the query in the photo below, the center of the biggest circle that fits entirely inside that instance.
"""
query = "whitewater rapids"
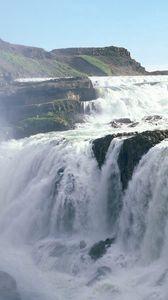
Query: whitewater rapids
(54, 200)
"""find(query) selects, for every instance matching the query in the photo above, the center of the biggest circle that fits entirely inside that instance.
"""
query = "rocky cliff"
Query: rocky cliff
(31, 108)
(24, 61)
(103, 61)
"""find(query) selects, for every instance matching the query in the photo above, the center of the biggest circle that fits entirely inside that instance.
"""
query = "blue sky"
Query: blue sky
(139, 25)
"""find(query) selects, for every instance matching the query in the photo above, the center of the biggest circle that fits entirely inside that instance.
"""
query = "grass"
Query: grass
(98, 63)
(21, 64)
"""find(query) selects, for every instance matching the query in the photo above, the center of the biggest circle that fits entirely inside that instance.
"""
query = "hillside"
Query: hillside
(24, 61)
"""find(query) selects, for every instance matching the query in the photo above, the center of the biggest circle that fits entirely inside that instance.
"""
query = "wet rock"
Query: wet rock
(134, 148)
(117, 123)
(8, 287)
(39, 107)
(152, 118)
(100, 248)
(124, 121)
(100, 147)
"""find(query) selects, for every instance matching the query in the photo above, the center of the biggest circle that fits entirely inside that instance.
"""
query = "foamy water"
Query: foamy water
(55, 204)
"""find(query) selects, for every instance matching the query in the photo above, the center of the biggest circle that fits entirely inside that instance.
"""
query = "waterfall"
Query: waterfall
(144, 217)
(56, 203)
(129, 97)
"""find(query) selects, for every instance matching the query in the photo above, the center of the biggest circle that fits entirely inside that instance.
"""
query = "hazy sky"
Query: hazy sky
(139, 25)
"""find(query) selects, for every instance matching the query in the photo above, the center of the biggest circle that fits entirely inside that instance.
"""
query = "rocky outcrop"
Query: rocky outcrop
(132, 150)
(24, 61)
(54, 105)
(58, 115)
(76, 88)
(100, 248)
(101, 145)
(118, 58)
(8, 287)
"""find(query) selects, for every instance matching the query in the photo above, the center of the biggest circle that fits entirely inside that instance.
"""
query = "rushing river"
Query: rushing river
(53, 203)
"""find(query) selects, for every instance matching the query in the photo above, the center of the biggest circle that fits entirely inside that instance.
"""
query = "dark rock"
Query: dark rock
(117, 123)
(31, 108)
(8, 287)
(100, 147)
(152, 118)
(21, 93)
(123, 121)
(134, 148)
(131, 152)
(100, 248)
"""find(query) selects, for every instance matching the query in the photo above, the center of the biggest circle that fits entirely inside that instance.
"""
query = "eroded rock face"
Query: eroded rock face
(132, 150)
(39, 107)
(100, 147)
(8, 287)
(75, 88)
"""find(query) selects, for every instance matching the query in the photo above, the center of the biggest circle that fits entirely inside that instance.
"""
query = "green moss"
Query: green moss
(98, 63)
(44, 124)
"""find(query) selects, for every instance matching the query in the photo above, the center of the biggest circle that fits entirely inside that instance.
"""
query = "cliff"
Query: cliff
(37, 107)
(100, 61)
(24, 61)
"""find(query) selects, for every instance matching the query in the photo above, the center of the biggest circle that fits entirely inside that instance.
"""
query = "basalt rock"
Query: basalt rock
(54, 105)
(100, 146)
(132, 150)
(100, 248)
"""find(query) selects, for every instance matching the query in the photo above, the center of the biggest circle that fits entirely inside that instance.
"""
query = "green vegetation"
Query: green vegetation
(43, 124)
(98, 63)
(54, 116)
(45, 67)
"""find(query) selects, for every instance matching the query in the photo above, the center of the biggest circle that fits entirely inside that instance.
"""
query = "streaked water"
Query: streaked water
(55, 203)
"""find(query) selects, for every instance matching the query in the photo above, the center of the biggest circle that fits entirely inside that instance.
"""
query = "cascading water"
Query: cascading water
(56, 203)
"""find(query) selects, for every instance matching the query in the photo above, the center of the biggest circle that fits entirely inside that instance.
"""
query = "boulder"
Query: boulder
(134, 148)
(100, 248)
(117, 123)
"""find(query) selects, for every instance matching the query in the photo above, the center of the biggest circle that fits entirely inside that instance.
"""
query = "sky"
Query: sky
(141, 26)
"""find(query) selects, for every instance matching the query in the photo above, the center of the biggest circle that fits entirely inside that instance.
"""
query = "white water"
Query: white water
(53, 196)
